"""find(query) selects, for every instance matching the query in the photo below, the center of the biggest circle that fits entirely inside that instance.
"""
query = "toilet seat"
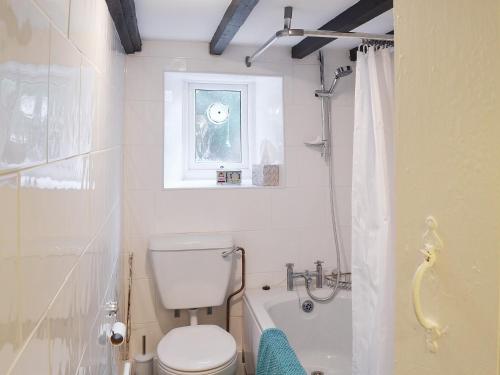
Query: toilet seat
(199, 349)
(229, 369)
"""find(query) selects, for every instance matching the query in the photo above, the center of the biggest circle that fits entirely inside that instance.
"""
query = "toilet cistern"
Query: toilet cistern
(207, 260)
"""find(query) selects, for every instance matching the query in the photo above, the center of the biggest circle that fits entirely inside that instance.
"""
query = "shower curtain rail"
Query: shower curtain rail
(287, 31)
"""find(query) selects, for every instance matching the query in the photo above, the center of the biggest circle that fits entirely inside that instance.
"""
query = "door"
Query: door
(447, 164)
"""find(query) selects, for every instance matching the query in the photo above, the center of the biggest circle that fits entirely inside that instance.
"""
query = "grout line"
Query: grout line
(52, 302)
(34, 166)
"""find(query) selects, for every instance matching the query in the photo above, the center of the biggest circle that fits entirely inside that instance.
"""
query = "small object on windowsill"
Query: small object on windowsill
(228, 177)
(265, 174)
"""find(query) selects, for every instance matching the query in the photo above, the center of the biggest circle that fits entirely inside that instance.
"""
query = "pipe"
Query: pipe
(316, 34)
(287, 31)
(228, 301)
(260, 51)
(347, 34)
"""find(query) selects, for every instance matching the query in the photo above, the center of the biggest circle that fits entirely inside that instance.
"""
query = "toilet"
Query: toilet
(191, 272)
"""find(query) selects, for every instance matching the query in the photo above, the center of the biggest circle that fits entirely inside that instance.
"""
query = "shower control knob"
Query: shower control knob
(319, 262)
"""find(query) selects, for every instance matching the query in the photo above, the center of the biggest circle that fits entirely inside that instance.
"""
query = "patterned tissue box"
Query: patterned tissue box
(265, 174)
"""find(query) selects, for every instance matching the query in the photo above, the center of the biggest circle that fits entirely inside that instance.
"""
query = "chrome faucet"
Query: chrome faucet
(318, 274)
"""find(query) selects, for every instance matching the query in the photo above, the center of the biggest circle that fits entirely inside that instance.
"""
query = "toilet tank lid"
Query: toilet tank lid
(190, 242)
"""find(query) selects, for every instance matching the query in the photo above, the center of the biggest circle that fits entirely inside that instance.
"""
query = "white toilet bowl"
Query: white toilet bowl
(197, 350)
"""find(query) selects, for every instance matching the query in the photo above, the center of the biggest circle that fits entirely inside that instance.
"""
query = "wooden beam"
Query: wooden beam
(353, 17)
(353, 52)
(235, 16)
(131, 21)
(124, 17)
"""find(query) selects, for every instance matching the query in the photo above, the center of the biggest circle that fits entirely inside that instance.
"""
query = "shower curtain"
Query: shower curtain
(372, 243)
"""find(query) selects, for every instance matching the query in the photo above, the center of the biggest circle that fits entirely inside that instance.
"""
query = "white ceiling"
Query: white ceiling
(197, 20)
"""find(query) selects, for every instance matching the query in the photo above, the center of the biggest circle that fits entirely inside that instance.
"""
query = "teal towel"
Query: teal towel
(276, 356)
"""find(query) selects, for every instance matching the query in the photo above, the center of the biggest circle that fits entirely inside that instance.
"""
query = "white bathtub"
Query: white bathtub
(322, 338)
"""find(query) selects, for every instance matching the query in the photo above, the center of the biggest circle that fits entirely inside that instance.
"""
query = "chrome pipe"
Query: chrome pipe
(316, 34)
(348, 34)
(319, 273)
(287, 31)
(289, 276)
(288, 17)
(250, 59)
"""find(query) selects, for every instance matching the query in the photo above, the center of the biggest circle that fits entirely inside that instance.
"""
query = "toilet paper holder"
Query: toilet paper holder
(111, 309)
(117, 333)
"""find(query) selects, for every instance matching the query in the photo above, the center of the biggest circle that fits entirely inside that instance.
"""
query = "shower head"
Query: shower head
(343, 71)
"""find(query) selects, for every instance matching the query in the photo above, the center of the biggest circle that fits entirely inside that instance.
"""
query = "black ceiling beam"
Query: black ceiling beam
(125, 20)
(353, 52)
(235, 16)
(353, 17)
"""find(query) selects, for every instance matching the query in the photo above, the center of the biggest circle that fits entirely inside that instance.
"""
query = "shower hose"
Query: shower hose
(325, 102)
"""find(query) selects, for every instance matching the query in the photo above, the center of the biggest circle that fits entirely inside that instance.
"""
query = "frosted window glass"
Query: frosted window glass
(217, 126)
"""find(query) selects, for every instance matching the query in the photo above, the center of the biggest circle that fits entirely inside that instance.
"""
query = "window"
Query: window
(214, 120)
(216, 128)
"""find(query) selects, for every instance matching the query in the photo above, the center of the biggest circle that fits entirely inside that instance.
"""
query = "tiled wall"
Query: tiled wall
(275, 225)
(61, 111)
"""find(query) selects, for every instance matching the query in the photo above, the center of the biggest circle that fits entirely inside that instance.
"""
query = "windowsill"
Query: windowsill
(209, 184)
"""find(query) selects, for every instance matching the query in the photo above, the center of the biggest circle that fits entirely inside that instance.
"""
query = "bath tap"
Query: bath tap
(318, 274)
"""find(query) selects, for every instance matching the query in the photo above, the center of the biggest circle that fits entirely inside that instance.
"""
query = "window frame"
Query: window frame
(200, 171)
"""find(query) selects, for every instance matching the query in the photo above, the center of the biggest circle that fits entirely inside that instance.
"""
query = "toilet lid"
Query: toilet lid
(196, 348)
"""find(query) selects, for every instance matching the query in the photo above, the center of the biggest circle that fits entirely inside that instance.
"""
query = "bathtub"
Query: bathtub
(322, 338)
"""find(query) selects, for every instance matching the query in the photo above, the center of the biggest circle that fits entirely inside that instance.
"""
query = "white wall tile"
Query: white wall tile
(313, 170)
(298, 207)
(105, 189)
(260, 279)
(302, 123)
(136, 175)
(139, 208)
(25, 66)
(35, 358)
(316, 243)
(64, 97)
(212, 210)
(144, 123)
(65, 342)
(343, 197)
(305, 82)
(141, 263)
(10, 296)
(58, 12)
(292, 166)
(143, 301)
(89, 96)
(345, 231)
(276, 247)
(54, 231)
(145, 76)
(61, 271)
(343, 130)
(83, 26)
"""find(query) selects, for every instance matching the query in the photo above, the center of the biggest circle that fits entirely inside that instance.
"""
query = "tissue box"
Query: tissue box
(265, 174)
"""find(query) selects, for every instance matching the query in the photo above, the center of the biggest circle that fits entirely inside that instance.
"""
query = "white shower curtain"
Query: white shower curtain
(372, 244)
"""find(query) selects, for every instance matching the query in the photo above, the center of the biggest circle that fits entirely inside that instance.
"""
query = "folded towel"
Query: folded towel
(276, 356)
